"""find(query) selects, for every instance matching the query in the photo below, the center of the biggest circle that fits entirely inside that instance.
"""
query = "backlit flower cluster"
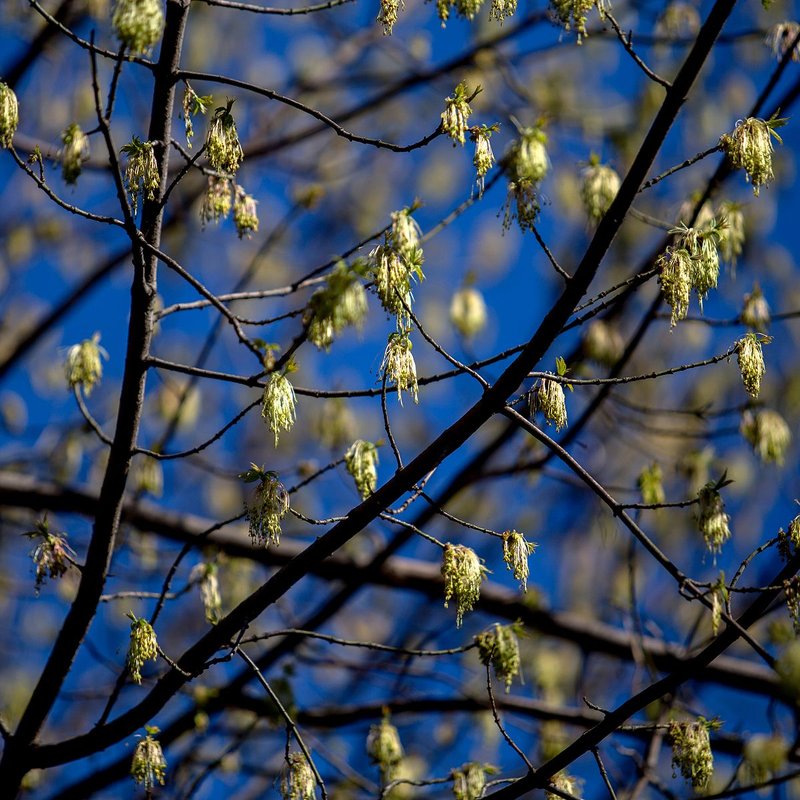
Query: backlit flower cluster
(399, 367)
(463, 573)
(74, 152)
(141, 171)
(143, 647)
(527, 164)
(516, 551)
(149, 766)
(361, 461)
(599, 188)
(278, 404)
(342, 302)
(499, 647)
(9, 114)
(712, 519)
(83, 365)
(269, 505)
(691, 751)
(138, 24)
(385, 748)
(749, 147)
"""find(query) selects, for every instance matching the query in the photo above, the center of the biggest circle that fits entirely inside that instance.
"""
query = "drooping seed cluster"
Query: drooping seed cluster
(341, 303)
(298, 781)
(268, 507)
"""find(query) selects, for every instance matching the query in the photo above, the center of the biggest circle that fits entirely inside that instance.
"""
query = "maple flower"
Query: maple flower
(222, 141)
(138, 24)
(548, 398)
(148, 766)
(388, 14)
(755, 311)
(385, 748)
(278, 404)
(245, 215)
(712, 519)
(675, 266)
(651, 486)
(691, 751)
(298, 781)
(456, 114)
(268, 507)
(83, 366)
(141, 172)
(217, 200)
(516, 550)
(600, 186)
(469, 781)
(52, 556)
(749, 147)
(143, 647)
(463, 573)
(483, 160)
(499, 646)
(398, 365)
(361, 461)
(750, 356)
(468, 312)
(574, 13)
(768, 434)
(9, 114)
(74, 152)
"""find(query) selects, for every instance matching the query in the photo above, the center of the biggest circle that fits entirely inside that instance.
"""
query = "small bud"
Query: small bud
(764, 757)
(691, 751)
(269, 506)
(361, 461)
(9, 115)
(222, 141)
(206, 574)
(755, 311)
(712, 519)
(141, 172)
(780, 38)
(603, 343)
(549, 399)
(277, 407)
(574, 13)
(469, 781)
(651, 486)
(565, 783)
(499, 647)
(483, 160)
(463, 573)
(675, 265)
(217, 202)
(245, 216)
(74, 152)
(768, 434)
(83, 366)
(143, 647)
(456, 115)
(340, 303)
(297, 782)
(468, 312)
(516, 550)
(384, 748)
(138, 24)
(749, 147)
(600, 186)
(731, 231)
(388, 14)
(149, 766)
(750, 356)
(398, 365)
(52, 556)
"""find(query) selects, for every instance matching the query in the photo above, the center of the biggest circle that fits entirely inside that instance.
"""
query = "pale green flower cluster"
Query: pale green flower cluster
(780, 38)
(731, 231)
(599, 188)
(147, 475)
(749, 147)
(750, 355)
(52, 556)
(388, 14)
(501, 10)
(278, 405)
(764, 757)
(528, 164)
(565, 783)
(468, 313)
(298, 782)
(572, 14)
(463, 573)
(469, 781)
(719, 597)
(399, 367)
(206, 575)
(245, 215)
(74, 152)
(222, 141)
(193, 104)
(678, 19)
(549, 398)
(603, 343)
(141, 171)
(385, 748)
(768, 434)
(755, 310)
(712, 519)
(217, 200)
(651, 485)
(9, 115)
(455, 117)
(499, 646)
(83, 365)
(340, 303)
(138, 24)
(516, 551)
(269, 506)
(483, 160)
(143, 647)
(361, 461)
(149, 766)
(691, 751)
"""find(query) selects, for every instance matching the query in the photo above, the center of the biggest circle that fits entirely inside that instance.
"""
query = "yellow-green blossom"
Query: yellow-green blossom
(388, 14)
(651, 486)
(9, 114)
(245, 215)
(755, 310)
(749, 147)
(516, 551)
(572, 14)
(74, 152)
(599, 188)
(398, 365)
(277, 407)
(83, 365)
(768, 434)
(603, 343)
(750, 356)
(52, 556)
(385, 748)
(469, 781)
(269, 505)
(463, 573)
(361, 461)
(149, 766)
(138, 24)
(691, 751)
(548, 398)
(712, 519)
(499, 646)
(455, 117)
(675, 267)
(143, 647)
(298, 782)
(141, 171)
(217, 200)
(468, 313)
(222, 141)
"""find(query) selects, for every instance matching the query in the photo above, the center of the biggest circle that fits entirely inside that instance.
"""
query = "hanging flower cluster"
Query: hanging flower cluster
(463, 573)
(750, 355)
(193, 104)
(749, 147)
(278, 404)
(245, 215)
(483, 160)
(712, 519)
(74, 152)
(149, 766)
(719, 599)
(678, 20)
(9, 115)
(385, 748)
(565, 783)
(342, 302)
(599, 188)
(469, 781)
(361, 461)
(268, 507)
(764, 757)
(298, 782)
(138, 24)
(455, 117)
(468, 313)
(398, 365)
(781, 37)
(549, 398)
(222, 141)
(501, 10)
(141, 171)
(755, 310)
(52, 556)
(572, 14)
(516, 551)
(527, 164)
(768, 434)
(691, 751)
(83, 366)
(206, 575)
(143, 647)
(731, 231)
(388, 14)
(603, 343)
(499, 646)
(651, 485)
(217, 200)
